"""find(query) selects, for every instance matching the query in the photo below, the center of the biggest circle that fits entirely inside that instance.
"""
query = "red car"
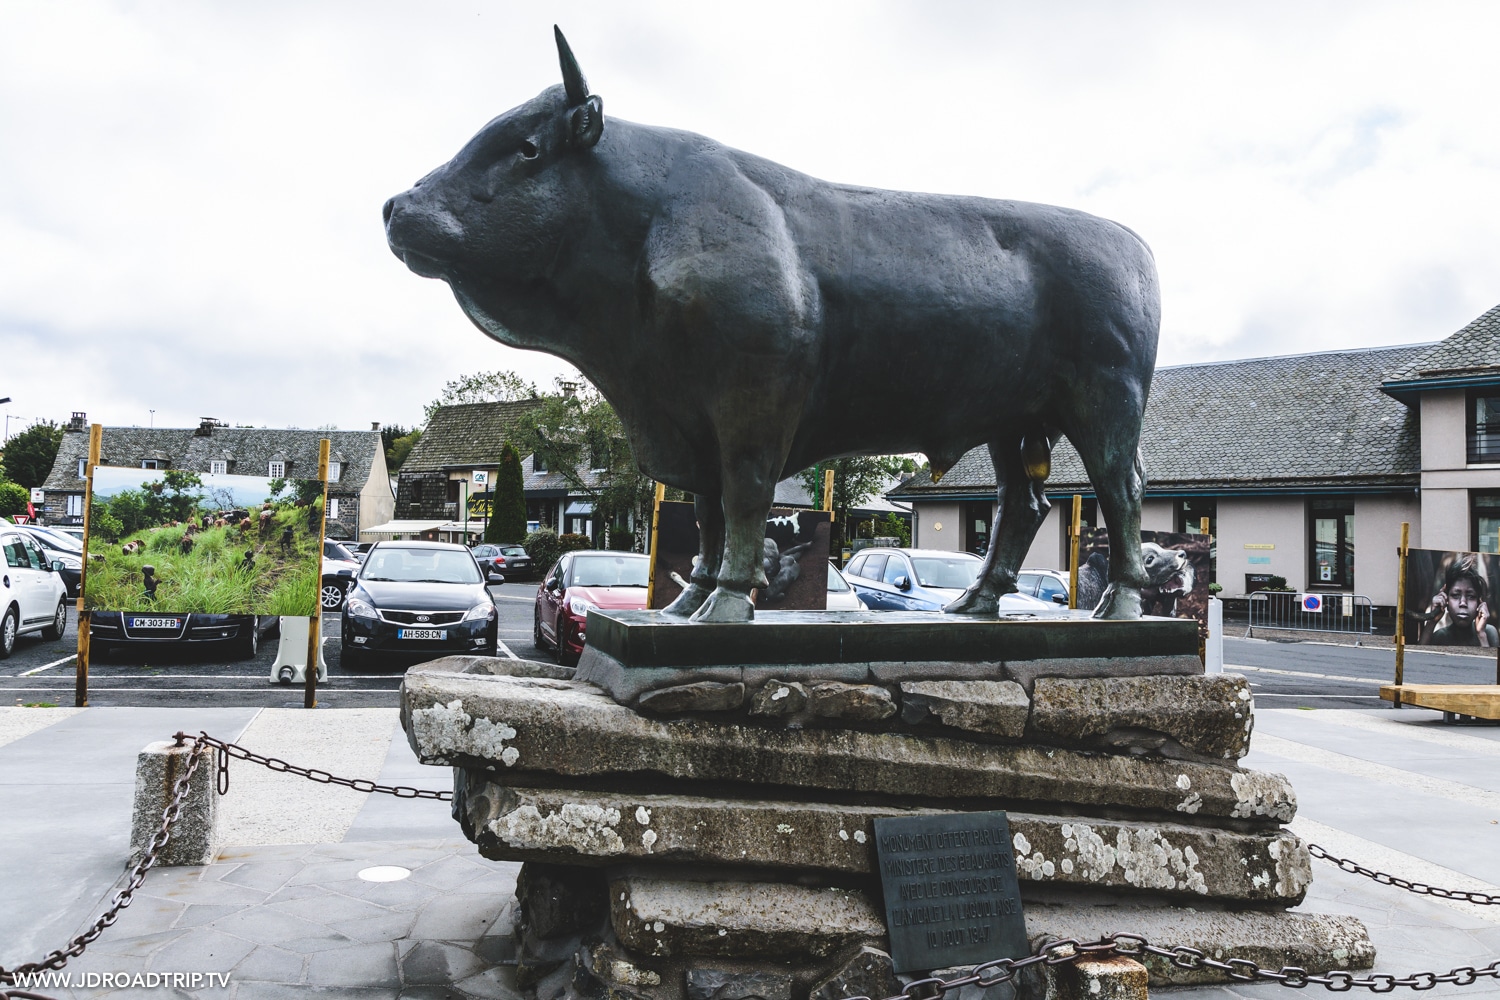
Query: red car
(579, 582)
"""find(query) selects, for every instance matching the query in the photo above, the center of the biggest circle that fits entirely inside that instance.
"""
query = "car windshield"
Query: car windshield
(512, 550)
(401, 565)
(57, 540)
(836, 584)
(610, 571)
(946, 572)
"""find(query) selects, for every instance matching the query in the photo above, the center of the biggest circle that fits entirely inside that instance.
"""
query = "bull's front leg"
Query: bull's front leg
(748, 492)
(708, 508)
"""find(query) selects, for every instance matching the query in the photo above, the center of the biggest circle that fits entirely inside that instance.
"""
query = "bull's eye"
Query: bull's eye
(528, 149)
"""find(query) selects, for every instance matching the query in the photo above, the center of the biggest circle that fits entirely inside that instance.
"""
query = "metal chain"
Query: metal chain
(227, 750)
(57, 959)
(1420, 888)
(1003, 970)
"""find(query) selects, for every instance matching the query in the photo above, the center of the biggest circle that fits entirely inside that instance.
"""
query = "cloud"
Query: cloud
(190, 193)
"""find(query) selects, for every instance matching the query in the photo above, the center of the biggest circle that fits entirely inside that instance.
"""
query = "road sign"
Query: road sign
(1312, 603)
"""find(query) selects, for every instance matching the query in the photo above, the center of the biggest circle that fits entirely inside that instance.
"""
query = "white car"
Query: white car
(339, 567)
(33, 597)
(841, 596)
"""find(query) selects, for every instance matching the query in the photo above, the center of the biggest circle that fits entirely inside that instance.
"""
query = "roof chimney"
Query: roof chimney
(569, 389)
(79, 421)
(206, 426)
(375, 425)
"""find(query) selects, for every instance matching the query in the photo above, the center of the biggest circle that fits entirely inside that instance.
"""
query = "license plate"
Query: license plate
(421, 633)
(156, 623)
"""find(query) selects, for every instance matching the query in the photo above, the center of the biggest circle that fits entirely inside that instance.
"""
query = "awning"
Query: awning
(579, 507)
(402, 527)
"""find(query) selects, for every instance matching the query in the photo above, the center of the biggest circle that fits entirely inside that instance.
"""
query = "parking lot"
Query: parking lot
(42, 673)
(1283, 674)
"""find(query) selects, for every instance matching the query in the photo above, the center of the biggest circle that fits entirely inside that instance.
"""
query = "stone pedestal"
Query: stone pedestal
(696, 807)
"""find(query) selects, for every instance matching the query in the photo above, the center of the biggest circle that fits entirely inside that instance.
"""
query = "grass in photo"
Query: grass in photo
(184, 543)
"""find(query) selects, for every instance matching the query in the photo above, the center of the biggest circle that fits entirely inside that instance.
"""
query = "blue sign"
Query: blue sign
(1312, 603)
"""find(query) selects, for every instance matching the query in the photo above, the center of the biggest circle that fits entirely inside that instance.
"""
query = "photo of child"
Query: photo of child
(1448, 598)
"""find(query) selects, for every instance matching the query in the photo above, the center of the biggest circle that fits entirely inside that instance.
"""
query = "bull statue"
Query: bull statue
(746, 321)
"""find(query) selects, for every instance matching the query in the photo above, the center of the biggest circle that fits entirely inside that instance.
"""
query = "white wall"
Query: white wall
(937, 526)
(1377, 535)
(1444, 429)
(1157, 515)
(1280, 522)
(1445, 518)
(1049, 548)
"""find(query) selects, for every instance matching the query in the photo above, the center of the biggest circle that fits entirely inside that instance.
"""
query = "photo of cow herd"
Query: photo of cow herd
(184, 543)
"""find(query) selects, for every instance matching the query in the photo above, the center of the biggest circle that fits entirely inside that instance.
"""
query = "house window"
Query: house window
(218, 468)
(334, 468)
(83, 468)
(1484, 426)
(148, 463)
(1485, 521)
(333, 507)
(1190, 514)
(277, 470)
(599, 458)
(539, 465)
(1331, 525)
(75, 504)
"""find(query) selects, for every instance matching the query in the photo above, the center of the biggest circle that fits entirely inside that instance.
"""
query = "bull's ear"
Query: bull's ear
(586, 123)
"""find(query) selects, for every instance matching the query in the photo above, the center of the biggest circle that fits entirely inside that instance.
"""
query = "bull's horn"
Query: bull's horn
(573, 81)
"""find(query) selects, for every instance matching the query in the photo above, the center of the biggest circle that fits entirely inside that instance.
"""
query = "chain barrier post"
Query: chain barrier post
(315, 623)
(1073, 551)
(85, 617)
(656, 501)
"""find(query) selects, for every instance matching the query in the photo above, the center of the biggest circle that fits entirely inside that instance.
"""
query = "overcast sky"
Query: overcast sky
(190, 192)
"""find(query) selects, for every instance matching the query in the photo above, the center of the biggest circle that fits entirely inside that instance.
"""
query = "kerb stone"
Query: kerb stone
(195, 835)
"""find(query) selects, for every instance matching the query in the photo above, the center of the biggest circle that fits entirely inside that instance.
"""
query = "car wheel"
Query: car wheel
(59, 625)
(565, 658)
(536, 629)
(332, 595)
(10, 627)
(246, 646)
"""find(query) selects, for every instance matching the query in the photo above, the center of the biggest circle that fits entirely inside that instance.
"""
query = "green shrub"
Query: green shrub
(621, 540)
(542, 546)
(572, 542)
(13, 498)
(507, 523)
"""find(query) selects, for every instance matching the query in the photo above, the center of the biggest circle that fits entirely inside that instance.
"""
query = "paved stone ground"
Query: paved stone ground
(1396, 790)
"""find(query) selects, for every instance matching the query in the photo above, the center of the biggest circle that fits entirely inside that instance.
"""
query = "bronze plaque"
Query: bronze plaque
(950, 890)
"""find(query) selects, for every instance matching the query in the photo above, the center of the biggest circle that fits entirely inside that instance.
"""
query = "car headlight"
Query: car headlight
(480, 612)
(70, 562)
(359, 609)
(581, 607)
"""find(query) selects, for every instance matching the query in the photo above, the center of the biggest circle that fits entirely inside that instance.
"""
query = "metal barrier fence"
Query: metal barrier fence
(1290, 612)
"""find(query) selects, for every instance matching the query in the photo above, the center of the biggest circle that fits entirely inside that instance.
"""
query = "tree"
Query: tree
(482, 387)
(13, 498)
(399, 448)
(507, 523)
(855, 480)
(581, 438)
(30, 454)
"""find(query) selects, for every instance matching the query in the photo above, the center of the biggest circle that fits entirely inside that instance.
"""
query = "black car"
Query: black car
(138, 631)
(510, 561)
(418, 597)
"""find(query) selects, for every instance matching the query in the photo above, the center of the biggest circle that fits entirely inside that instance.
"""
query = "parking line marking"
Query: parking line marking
(48, 666)
(508, 597)
(1231, 667)
(505, 649)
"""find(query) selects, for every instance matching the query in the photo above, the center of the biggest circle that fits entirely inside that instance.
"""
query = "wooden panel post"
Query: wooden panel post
(828, 490)
(661, 494)
(81, 678)
(1073, 525)
(1401, 611)
(315, 623)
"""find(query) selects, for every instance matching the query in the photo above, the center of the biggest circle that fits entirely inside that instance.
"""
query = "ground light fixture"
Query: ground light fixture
(384, 873)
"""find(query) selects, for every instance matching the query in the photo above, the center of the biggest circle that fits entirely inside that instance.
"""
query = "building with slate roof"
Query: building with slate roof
(1292, 459)
(359, 490)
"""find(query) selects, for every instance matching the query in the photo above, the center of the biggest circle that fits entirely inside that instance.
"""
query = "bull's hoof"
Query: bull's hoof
(688, 602)
(725, 606)
(976, 601)
(1120, 602)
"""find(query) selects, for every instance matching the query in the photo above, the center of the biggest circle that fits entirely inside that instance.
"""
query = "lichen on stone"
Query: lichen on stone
(452, 731)
(587, 829)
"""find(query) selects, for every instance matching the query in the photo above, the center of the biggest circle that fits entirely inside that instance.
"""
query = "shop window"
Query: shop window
(1484, 426)
(1331, 527)
(1485, 521)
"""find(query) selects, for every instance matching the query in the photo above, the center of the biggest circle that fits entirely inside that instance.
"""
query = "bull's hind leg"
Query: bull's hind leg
(709, 510)
(1113, 460)
(1023, 508)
